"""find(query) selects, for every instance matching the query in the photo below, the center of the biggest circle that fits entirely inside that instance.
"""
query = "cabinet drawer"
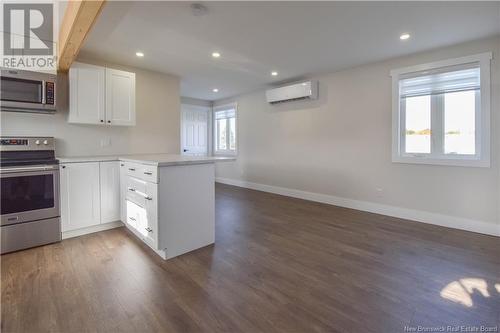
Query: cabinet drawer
(132, 213)
(150, 173)
(131, 169)
(135, 190)
(136, 185)
(143, 223)
(145, 172)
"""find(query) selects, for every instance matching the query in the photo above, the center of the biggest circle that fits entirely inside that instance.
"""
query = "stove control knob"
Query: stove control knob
(37, 142)
(45, 142)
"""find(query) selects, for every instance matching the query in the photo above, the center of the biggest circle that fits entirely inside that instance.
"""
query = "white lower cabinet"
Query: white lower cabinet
(141, 220)
(90, 194)
(140, 207)
(152, 214)
(171, 208)
(110, 189)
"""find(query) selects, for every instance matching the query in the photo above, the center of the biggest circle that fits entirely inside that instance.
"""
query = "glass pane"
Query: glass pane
(221, 134)
(418, 124)
(232, 133)
(19, 90)
(25, 193)
(460, 123)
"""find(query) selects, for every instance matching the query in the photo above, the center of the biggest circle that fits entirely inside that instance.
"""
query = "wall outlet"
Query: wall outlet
(105, 142)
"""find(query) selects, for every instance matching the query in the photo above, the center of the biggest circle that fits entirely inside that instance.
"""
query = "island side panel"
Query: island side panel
(187, 208)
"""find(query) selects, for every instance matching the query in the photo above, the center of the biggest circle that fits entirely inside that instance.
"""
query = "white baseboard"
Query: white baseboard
(92, 229)
(399, 212)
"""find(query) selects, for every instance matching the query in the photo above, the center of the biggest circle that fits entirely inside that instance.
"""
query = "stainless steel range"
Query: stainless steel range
(29, 174)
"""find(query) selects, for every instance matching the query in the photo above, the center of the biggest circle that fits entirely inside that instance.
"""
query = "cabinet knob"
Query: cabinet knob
(148, 229)
(148, 198)
(109, 121)
(131, 169)
(64, 167)
(131, 189)
(148, 173)
(102, 120)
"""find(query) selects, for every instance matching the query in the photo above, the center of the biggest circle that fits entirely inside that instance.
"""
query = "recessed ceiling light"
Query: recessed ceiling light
(139, 54)
(216, 54)
(274, 73)
(215, 90)
(404, 36)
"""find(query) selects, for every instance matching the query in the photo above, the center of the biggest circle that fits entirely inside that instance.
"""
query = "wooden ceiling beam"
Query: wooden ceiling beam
(78, 19)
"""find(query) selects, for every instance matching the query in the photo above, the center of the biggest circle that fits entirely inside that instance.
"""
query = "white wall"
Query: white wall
(195, 101)
(156, 130)
(340, 146)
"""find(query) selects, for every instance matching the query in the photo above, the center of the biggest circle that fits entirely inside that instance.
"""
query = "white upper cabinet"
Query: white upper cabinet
(120, 97)
(86, 94)
(101, 96)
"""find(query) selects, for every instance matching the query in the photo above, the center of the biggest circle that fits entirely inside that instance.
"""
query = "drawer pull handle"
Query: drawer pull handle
(131, 169)
(131, 189)
(132, 219)
(148, 229)
(148, 173)
(148, 198)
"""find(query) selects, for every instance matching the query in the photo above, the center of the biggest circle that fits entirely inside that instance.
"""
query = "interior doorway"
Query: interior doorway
(195, 136)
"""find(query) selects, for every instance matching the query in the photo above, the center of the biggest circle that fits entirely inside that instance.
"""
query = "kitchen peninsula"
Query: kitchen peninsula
(166, 200)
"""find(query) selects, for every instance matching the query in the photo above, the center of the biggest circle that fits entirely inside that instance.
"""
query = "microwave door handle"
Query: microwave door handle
(43, 92)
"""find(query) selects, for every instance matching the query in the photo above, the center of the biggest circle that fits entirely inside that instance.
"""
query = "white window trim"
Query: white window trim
(214, 126)
(482, 159)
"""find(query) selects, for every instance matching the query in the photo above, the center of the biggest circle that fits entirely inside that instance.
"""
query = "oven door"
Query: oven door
(29, 193)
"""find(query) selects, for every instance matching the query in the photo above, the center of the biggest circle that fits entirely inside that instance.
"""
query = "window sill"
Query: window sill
(442, 161)
(228, 154)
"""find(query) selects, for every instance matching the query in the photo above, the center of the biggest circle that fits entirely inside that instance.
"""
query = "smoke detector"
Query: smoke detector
(199, 9)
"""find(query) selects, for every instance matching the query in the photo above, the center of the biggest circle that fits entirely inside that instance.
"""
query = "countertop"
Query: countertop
(150, 159)
(80, 159)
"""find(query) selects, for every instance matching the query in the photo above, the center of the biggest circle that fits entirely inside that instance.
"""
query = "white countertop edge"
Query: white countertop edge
(82, 159)
(149, 159)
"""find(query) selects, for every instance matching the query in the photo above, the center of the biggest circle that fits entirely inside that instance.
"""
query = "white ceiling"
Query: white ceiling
(294, 38)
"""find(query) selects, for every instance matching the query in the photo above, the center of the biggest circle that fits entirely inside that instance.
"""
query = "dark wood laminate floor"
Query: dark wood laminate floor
(279, 264)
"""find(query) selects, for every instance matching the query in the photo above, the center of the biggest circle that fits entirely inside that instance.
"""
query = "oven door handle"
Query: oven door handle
(28, 169)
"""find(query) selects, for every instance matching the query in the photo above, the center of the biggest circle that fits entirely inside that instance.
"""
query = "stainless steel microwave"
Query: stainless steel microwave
(25, 91)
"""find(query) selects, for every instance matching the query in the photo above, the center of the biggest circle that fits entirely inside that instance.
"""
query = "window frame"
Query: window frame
(225, 152)
(482, 117)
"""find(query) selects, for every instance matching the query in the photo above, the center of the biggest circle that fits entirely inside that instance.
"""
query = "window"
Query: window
(441, 112)
(225, 130)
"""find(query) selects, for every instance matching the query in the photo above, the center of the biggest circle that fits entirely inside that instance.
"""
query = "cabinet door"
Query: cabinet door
(86, 94)
(123, 193)
(151, 205)
(110, 191)
(80, 199)
(120, 97)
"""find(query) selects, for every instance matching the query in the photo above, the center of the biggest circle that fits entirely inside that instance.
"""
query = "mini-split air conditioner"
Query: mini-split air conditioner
(293, 92)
